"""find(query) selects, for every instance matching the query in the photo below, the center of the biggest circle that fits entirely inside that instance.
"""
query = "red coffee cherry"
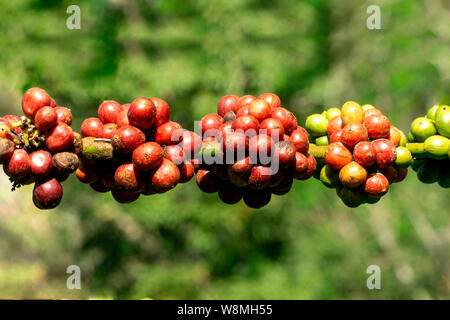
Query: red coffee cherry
(259, 177)
(243, 101)
(227, 103)
(47, 194)
(126, 139)
(169, 133)
(300, 140)
(33, 100)
(385, 151)
(45, 118)
(59, 138)
(122, 118)
(175, 154)
(257, 199)
(260, 109)
(210, 124)
(90, 127)
(107, 131)
(108, 111)
(273, 127)
(40, 163)
(337, 155)
(377, 126)
(165, 177)
(206, 181)
(353, 133)
(187, 171)
(141, 113)
(300, 165)
(162, 111)
(18, 165)
(247, 124)
(192, 143)
(334, 125)
(147, 156)
(272, 99)
(365, 153)
(128, 178)
(64, 115)
(376, 185)
(122, 196)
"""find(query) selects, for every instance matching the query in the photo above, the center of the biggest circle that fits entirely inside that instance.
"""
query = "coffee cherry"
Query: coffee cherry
(122, 119)
(123, 196)
(365, 153)
(401, 175)
(33, 100)
(273, 128)
(230, 194)
(272, 99)
(260, 109)
(187, 171)
(334, 125)
(6, 149)
(162, 111)
(336, 136)
(243, 111)
(385, 151)
(312, 164)
(175, 154)
(372, 111)
(141, 113)
(128, 178)
(165, 176)
(169, 133)
(317, 125)
(247, 124)
(206, 181)
(238, 179)
(227, 103)
(52, 102)
(210, 124)
(353, 133)
(259, 177)
(352, 112)
(276, 178)
(41, 163)
(285, 151)
(243, 101)
(376, 185)
(234, 144)
(65, 163)
(64, 115)
(108, 111)
(148, 156)
(352, 175)
(378, 126)
(300, 166)
(126, 139)
(257, 199)
(192, 143)
(18, 165)
(90, 127)
(98, 186)
(242, 166)
(337, 155)
(300, 140)
(45, 118)
(284, 186)
(260, 147)
(107, 131)
(395, 135)
(59, 138)
(47, 194)
(87, 173)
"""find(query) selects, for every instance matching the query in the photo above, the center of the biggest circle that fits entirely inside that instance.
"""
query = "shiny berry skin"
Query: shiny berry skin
(273, 127)
(259, 177)
(11, 120)
(47, 194)
(90, 126)
(385, 152)
(395, 136)
(165, 176)
(107, 131)
(285, 151)
(257, 199)
(353, 133)
(260, 109)
(300, 166)
(312, 164)
(401, 175)
(52, 102)
(352, 175)
(335, 125)
(41, 163)
(376, 185)
(352, 112)
(234, 143)
(126, 139)
(162, 111)
(128, 178)
(378, 126)
(191, 144)
(122, 119)
(272, 99)
(371, 112)
(243, 111)
(210, 124)
(300, 140)
(175, 154)
(286, 118)
(108, 111)
(260, 146)
(141, 113)
(337, 155)
(247, 124)
(244, 101)
(122, 196)
(18, 165)
(45, 118)
(169, 133)
(33, 100)
(206, 181)
(242, 166)
(187, 171)
(227, 103)
(59, 138)
(336, 136)
(226, 128)
(64, 115)
(365, 154)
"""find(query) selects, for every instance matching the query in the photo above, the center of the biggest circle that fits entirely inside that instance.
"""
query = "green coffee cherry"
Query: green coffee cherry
(333, 112)
(443, 121)
(404, 158)
(322, 141)
(437, 147)
(431, 114)
(316, 125)
(422, 128)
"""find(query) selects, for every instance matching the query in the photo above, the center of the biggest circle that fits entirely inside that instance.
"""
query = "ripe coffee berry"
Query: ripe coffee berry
(59, 138)
(385, 151)
(40, 163)
(227, 103)
(18, 165)
(376, 185)
(337, 155)
(300, 140)
(335, 125)
(47, 194)
(192, 143)
(165, 176)
(128, 178)
(147, 156)
(285, 152)
(169, 133)
(210, 124)
(247, 124)
(260, 109)
(175, 154)
(33, 100)
(352, 175)
(273, 128)
(141, 113)
(90, 127)
(64, 115)
(122, 196)
(272, 99)
(259, 177)
(187, 171)
(126, 139)
(206, 181)
(353, 133)
(108, 111)
(45, 118)
(244, 101)
(378, 126)
(162, 111)
(365, 153)
(107, 131)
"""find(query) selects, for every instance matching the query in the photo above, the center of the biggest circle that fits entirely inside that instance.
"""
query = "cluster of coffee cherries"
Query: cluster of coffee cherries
(362, 152)
(39, 147)
(134, 149)
(252, 148)
(429, 142)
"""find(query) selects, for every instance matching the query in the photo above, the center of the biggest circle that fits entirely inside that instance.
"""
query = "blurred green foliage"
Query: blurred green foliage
(185, 244)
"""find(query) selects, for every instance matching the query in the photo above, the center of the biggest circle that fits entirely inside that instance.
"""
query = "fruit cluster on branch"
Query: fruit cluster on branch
(250, 149)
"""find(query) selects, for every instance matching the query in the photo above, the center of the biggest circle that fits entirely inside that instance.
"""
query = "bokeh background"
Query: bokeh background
(186, 244)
